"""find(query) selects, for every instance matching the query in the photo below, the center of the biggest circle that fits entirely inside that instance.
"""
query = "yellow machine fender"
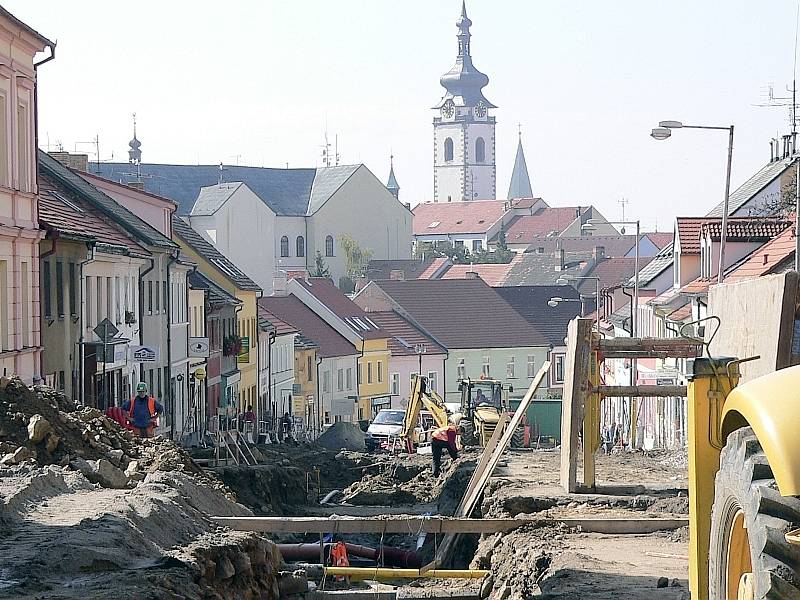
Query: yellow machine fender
(771, 406)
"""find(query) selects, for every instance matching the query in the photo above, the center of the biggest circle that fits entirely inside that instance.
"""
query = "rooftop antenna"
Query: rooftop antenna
(623, 202)
(336, 149)
(326, 150)
(222, 170)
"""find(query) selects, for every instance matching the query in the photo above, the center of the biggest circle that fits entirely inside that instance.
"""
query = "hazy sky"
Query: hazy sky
(259, 82)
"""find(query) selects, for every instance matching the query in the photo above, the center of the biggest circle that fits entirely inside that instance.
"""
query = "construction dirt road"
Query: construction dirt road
(86, 508)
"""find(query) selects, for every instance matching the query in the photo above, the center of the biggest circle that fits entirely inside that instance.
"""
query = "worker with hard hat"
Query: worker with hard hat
(444, 438)
(142, 411)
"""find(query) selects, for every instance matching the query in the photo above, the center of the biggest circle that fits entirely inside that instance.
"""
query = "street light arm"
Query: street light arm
(707, 127)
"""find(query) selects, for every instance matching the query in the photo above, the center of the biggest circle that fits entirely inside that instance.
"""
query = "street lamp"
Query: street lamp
(662, 132)
(567, 279)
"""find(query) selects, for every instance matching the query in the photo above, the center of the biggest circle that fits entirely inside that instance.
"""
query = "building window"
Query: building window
(310, 370)
(395, 384)
(3, 143)
(477, 245)
(329, 245)
(326, 381)
(150, 297)
(340, 380)
(285, 246)
(360, 377)
(485, 369)
(558, 375)
(448, 149)
(73, 308)
(531, 366)
(510, 367)
(48, 302)
(349, 378)
(462, 369)
(432, 380)
(300, 244)
(60, 288)
(380, 371)
(480, 150)
(369, 372)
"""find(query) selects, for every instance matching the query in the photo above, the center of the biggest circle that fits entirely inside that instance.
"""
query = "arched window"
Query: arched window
(329, 246)
(285, 246)
(448, 149)
(480, 150)
(301, 245)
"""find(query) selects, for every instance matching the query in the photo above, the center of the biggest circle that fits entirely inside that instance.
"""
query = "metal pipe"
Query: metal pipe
(361, 573)
(81, 328)
(724, 232)
(396, 557)
(167, 384)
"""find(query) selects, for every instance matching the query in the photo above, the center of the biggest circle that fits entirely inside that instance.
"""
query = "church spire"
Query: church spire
(520, 186)
(134, 154)
(392, 184)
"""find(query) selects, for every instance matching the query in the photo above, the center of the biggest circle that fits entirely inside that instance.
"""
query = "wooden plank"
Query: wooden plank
(642, 391)
(576, 387)
(413, 525)
(485, 456)
(646, 345)
(757, 319)
(468, 502)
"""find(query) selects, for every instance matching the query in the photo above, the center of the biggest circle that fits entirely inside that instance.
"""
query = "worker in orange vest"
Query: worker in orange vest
(142, 411)
(445, 438)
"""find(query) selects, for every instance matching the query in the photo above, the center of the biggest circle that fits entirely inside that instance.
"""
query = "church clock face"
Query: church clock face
(448, 109)
(480, 110)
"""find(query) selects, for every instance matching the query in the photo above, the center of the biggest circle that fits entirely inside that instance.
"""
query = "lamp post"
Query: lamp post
(567, 279)
(664, 131)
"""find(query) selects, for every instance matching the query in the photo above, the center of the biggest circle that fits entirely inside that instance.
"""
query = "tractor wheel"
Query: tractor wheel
(749, 556)
(468, 434)
(518, 437)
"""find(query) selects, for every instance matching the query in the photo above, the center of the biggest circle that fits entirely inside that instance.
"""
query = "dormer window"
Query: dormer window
(434, 224)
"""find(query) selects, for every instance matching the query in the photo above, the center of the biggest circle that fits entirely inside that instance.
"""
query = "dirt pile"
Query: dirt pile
(40, 425)
(268, 489)
(342, 436)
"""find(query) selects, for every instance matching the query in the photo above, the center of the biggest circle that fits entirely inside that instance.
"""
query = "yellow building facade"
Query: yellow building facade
(373, 377)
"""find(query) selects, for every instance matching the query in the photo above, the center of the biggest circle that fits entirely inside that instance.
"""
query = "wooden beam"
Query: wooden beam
(576, 388)
(642, 391)
(444, 525)
(634, 345)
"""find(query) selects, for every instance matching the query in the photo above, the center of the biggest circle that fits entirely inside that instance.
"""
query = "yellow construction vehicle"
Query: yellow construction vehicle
(743, 439)
(482, 402)
(421, 396)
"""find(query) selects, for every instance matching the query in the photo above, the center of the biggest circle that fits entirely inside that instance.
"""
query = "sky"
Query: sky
(260, 82)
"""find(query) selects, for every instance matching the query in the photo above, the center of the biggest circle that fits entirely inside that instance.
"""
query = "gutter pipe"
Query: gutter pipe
(81, 318)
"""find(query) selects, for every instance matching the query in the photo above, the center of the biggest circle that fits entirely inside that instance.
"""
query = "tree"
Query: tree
(320, 268)
(356, 259)
(458, 255)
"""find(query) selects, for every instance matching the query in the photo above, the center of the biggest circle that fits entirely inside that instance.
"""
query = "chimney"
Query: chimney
(471, 275)
(397, 275)
(599, 253)
(771, 152)
(78, 162)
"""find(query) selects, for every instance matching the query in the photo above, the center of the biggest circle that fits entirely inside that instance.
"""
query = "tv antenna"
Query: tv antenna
(624, 202)
(328, 158)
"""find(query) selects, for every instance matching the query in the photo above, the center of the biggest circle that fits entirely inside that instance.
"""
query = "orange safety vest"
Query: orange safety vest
(441, 433)
(151, 404)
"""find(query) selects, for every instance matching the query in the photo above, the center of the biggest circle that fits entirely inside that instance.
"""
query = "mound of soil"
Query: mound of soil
(343, 436)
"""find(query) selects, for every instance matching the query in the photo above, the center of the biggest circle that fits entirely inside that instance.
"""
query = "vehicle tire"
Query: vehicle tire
(518, 437)
(468, 437)
(748, 523)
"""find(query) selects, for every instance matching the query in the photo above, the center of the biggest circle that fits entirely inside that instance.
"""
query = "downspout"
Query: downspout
(168, 384)
(236, 312)
(82, 313)
(631, 297)
(141, 309)
(36, 105)
(272, 337)
(319, 397)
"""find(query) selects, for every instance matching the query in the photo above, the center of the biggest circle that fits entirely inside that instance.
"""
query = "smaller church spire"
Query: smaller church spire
(520, 186)
(135, 153)
(392, 184)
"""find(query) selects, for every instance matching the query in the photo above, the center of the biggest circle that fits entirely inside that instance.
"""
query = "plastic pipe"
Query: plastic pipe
(360, 573)
(396, 557)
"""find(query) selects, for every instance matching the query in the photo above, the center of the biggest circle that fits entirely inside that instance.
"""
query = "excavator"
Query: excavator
(743, 426)
(421, 396)
(482, 402)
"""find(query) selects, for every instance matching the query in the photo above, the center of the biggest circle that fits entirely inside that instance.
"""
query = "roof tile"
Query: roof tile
(404, 335)
(438, 218)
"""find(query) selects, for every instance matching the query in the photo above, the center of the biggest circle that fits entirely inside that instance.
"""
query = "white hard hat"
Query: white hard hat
(455, 418)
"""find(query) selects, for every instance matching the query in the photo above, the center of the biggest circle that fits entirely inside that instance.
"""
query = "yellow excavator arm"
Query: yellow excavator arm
(422, 397)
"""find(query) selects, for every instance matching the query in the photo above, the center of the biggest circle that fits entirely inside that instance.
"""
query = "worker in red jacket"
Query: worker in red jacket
(143, 410)
(445, 438)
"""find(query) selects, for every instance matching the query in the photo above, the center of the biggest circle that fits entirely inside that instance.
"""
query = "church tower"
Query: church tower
(463, 131)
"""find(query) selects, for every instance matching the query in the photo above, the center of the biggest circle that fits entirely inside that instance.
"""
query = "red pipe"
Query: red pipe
(392, 557)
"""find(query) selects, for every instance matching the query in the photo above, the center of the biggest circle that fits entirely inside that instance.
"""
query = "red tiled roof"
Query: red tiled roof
(612, 272)
(404, 335)
(281, 326)
(493, 274)
(745, 228)
(526, 229)
(689, 234)
(681, 314)
(524, 202)
(437, 264)
(78, 218)
(292, 311)
(323, 290)
(763, 260)
(659, 238)
(457, 217)
(697, 286)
